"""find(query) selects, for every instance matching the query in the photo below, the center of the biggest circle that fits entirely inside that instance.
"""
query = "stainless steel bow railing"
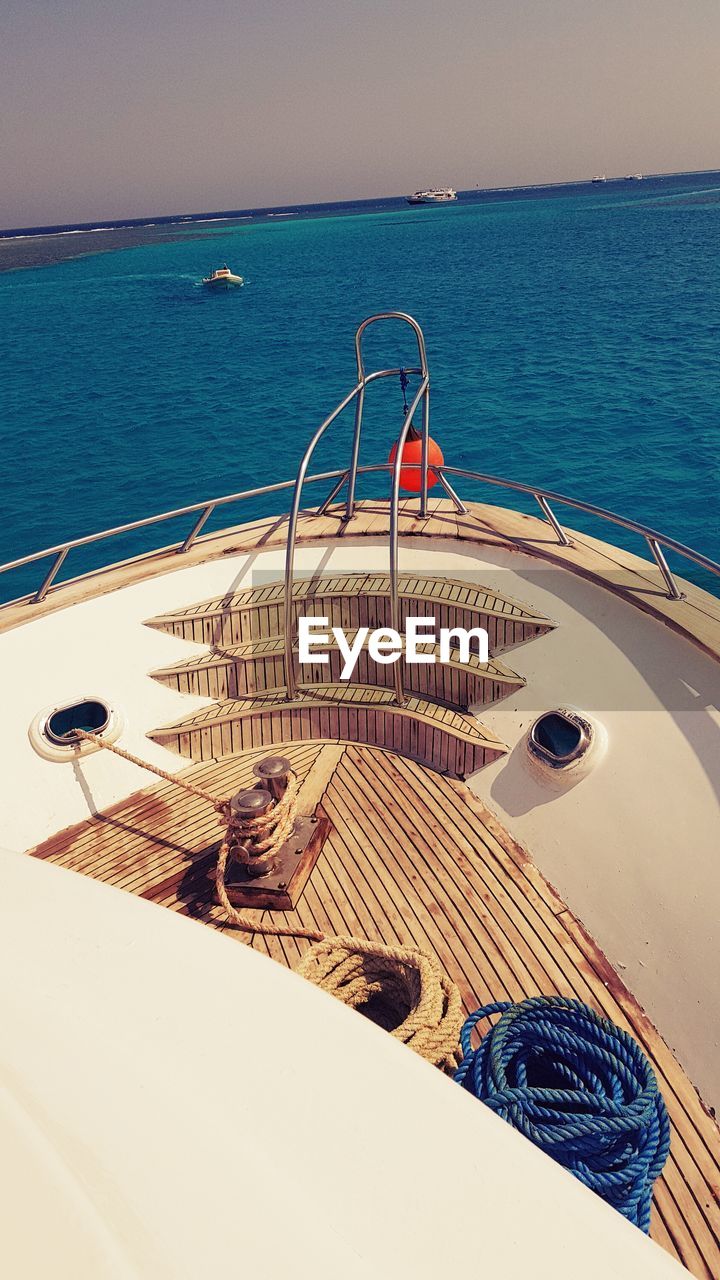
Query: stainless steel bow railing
(658, 543)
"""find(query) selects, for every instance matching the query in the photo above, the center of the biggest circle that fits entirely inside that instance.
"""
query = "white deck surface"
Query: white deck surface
(173, 1105)
(632, 846)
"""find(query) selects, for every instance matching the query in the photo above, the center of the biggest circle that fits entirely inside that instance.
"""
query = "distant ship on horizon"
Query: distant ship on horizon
(433, 195)
(629, 177)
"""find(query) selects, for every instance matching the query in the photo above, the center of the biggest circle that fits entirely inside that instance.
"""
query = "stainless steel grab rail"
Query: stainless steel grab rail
(358, 394)
(632, 526)
(363, 378)
(60, 550)
(290, 682)
(398, 667)
(662, 541)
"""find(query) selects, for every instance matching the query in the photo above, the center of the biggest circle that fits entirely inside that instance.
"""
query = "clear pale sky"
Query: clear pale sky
(122, 108)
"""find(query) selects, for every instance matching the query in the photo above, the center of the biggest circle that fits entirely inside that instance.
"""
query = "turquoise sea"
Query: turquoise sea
(573, 338)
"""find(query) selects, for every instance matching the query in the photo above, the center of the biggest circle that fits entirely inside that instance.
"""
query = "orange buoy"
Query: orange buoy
(412, 453)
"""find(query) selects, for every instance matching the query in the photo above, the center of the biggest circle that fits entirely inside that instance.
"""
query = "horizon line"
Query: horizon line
(111, 224)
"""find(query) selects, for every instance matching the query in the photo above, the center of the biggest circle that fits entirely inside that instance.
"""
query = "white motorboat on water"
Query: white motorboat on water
(599, 177)
(197, 805)
(223, 278)
(433, 195)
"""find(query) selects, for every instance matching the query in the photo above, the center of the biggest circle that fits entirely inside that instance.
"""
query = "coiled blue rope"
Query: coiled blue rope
(577, 1086)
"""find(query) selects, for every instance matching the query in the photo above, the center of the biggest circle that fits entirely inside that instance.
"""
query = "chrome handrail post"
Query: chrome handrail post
(552, 520)
(425, 450)
(199, 523)
(394, 551)
(333, 493)
(359, 405)
(664, 567)
(390, 315)
(290, 681)
(50, 576)
(422, 354)
(459, 505)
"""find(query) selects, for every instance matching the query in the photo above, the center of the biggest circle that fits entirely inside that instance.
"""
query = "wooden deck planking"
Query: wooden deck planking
(415, 857)
(588, 976)
(453, 741)
(246, 627)
(578, 979)
(254, 668)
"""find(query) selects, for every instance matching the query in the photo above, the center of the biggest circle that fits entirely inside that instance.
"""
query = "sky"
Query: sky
(132, 108)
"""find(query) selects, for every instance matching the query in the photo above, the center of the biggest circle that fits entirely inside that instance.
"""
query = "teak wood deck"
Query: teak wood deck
(243, 670)
(246, 652)
(353, 600)
(415, 857)
(425, 730)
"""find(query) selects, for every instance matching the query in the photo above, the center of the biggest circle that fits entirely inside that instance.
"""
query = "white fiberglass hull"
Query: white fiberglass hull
(123, 1024)
(224, 282)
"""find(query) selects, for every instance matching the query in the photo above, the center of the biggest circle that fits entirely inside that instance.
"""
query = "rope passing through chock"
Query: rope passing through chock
(578, 1087)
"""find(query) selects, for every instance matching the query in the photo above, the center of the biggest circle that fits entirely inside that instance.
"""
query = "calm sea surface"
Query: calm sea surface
(573, 339)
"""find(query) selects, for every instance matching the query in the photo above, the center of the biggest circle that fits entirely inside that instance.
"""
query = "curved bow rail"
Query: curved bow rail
(657, 543)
